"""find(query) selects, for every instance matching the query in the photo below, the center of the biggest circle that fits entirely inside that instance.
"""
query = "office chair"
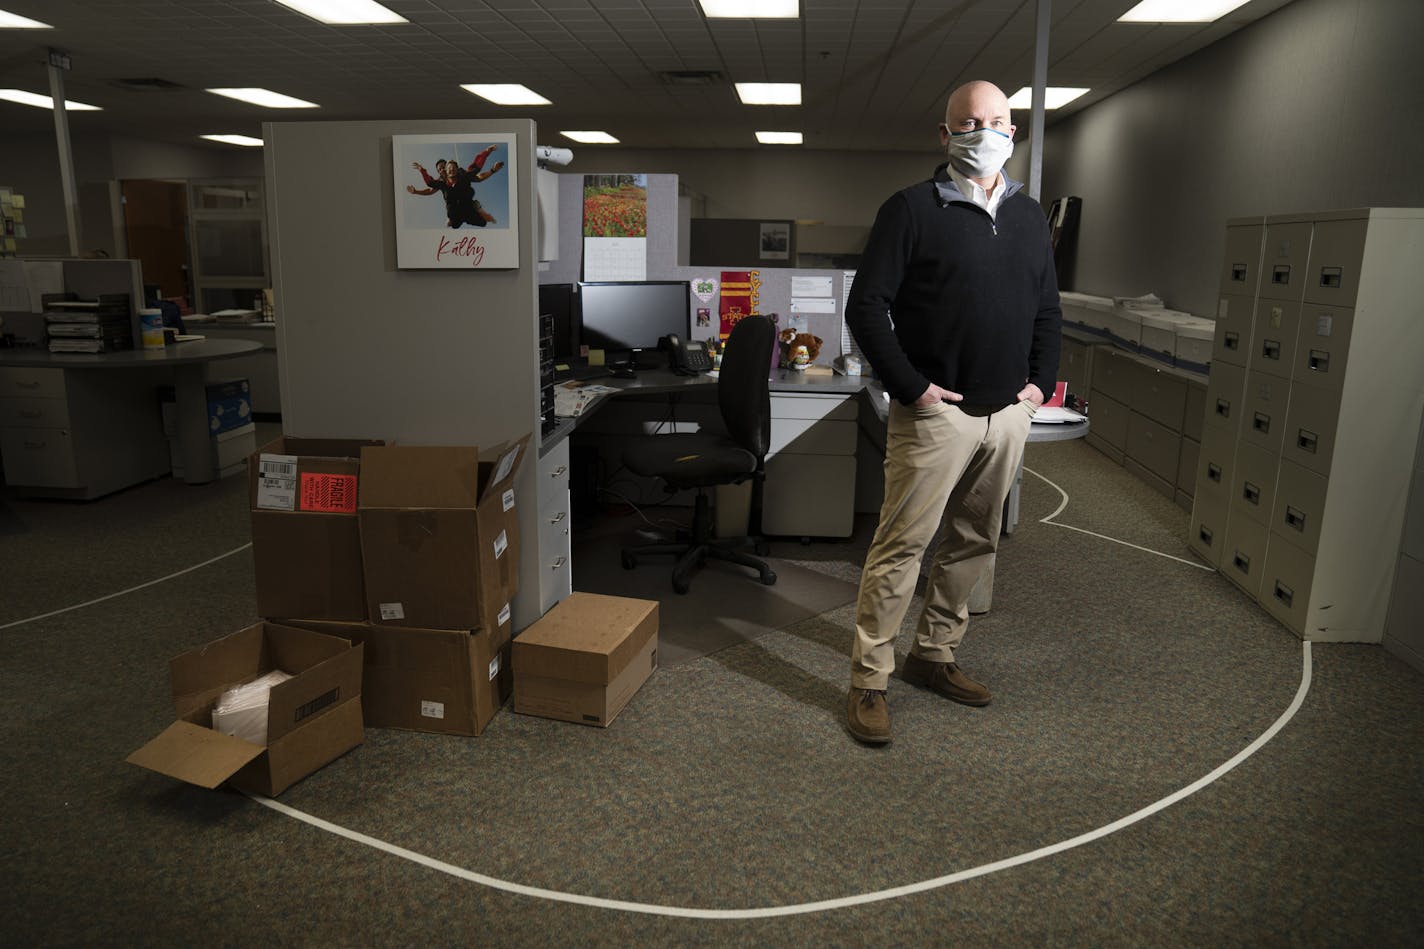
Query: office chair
(703, 460)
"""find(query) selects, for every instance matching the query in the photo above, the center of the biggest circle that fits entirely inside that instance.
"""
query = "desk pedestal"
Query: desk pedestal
(190, 392)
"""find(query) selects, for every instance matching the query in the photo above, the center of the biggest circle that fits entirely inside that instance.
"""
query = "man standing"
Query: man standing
(955, 305)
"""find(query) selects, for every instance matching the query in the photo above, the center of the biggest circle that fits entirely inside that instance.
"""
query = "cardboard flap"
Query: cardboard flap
(199, 673)
(324, 686)
(419, 476)
(195, 754)
(501, 464)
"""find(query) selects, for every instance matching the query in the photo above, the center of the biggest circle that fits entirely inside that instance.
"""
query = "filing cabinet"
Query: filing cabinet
(810, 466)
(555, 537)
(1320, 455)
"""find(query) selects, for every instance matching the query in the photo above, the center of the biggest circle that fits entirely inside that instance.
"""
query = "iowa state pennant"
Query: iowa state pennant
(739, 298)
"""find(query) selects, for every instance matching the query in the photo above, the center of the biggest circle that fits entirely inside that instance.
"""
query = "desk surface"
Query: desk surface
(198, 350)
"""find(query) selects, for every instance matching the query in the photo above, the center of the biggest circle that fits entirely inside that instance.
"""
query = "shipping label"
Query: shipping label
(501, 544)
(277, 482)
(508, 499)
(432, 709)
(390, 611)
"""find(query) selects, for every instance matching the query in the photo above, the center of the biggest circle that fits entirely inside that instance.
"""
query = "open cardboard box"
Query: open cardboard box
(306, 541)
(313, 718)
(439, 534)
(585, 658)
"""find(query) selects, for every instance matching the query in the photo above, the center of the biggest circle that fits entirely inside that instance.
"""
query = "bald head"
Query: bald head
(980, 101)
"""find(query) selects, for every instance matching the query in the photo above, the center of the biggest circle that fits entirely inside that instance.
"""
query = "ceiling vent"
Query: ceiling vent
(147, 84)
(690, 77)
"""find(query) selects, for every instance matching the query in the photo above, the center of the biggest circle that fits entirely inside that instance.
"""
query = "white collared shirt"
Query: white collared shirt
(975, 192)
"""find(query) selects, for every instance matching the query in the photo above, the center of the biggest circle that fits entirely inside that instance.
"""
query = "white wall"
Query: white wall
(1317, 106)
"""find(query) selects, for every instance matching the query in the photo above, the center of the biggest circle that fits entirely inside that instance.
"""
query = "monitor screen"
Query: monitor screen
(633, 315)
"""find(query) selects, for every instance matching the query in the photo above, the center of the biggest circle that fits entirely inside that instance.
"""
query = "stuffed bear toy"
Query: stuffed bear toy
(798, 350)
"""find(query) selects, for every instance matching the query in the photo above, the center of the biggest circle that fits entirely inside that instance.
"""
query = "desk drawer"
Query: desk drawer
(803, 436)
(809, 496)
(1154, 446)
(30, 382)
(1160, 396)
(34, 413)
(813, 406)
(39, 458)
(553, 478)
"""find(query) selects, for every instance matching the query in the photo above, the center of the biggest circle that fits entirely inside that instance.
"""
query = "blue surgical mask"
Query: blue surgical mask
(979, 153)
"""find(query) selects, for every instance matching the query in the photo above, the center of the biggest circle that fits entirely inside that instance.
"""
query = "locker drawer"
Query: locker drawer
(1207, 534)
(1154, 446)
(1310, 427)
(1253, 491)
(31, 382)
(1115, 375)
(1194, 415)
(1337, 249)
(805, 436)
(39, 458)
(1231, 341)
(1283, 264)
(1241, 263)
(1225, 396)
(1263, 423)
(1323, 345)
(1160, 396)
(1243, 553)
(1216, 465)
(1108, 419)
(1299, 505)
(1285, 584)
(34, 413)
(1273, 338)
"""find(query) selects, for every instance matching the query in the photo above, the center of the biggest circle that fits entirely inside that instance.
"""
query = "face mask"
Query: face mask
(979, 153)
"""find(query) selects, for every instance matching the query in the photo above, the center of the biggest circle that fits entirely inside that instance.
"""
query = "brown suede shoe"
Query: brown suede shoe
(868, 716)
(946, 679)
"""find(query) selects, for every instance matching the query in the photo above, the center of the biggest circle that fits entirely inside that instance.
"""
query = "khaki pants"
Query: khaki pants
(942, 462)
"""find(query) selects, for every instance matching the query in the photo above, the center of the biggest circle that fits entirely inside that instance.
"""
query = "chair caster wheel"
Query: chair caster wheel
(768, 578)
(629, 561)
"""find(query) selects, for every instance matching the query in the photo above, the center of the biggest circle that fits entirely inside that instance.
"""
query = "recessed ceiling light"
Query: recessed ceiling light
(43, 102)
(591, 138)
(266, 98)
(769, 93)
(1053, 97)
(751, 9)
(1179, 11)
(247, 140)
(345, 11)
(779, 138)
(13, 21)
(506, 93)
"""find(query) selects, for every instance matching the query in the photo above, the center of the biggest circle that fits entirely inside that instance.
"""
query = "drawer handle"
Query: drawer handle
(1251, 493)
(1242, 562)
(28, 385)
(1295, 518)
(1206, 535)
(1238, 273)
(1330, 277)
(558, 563)
(29, 413)
(1213, 472)
(1284, 593)
(1232, 340)
(1280, 274)
(558, 472)
(1262, 423)
(1319, 360)
(558, 517)
(1271, 349)
(1223, 408)
(1307, 440)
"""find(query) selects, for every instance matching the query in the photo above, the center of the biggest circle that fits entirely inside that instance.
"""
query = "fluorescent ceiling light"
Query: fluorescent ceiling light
(506, 93)
(345, 11)
(769, 93)
(1053, 97)
(1179, 11)
(779, 138)
(43, 102)
(266, 98)
(13, 21)
(591, 138)
(751, 9)
(247, 140)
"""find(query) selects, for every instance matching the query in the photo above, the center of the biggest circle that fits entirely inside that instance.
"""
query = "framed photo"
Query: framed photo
(775, 240)
(456, 200)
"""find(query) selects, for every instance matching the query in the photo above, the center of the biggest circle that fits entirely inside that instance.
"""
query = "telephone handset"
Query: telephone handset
(686, 358)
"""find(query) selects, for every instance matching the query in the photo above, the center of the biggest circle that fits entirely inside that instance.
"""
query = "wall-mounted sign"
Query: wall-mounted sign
(456, 201)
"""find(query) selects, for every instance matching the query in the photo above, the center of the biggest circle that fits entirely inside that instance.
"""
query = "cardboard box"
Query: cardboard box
(585, 658)
(306, 541)
(439, 534)
(445, 681)
(313, 718)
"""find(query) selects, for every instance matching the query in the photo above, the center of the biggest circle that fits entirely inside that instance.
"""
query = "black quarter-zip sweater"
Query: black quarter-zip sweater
(973, 300)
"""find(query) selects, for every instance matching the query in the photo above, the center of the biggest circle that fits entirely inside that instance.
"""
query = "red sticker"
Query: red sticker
(329, 492)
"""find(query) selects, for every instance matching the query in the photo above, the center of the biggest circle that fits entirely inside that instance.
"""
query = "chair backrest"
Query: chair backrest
(743, 389)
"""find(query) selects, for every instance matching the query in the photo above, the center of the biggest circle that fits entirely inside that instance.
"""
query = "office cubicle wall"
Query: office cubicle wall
(367, 350)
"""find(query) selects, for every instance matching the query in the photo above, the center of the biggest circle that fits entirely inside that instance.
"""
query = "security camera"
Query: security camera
(548, 155)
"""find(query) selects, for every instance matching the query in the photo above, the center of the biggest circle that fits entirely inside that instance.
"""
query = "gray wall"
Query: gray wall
(1317, 106)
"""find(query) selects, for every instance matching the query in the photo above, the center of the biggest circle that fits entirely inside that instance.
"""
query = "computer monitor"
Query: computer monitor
(627, 318)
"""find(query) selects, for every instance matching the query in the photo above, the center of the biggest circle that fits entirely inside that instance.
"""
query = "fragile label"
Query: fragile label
(501, 544)
(432, 709)
(494, 667)
(506, 464)
(392, 611)
(277, 482)
(508, 499)
(332, 493)
(503, 616)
